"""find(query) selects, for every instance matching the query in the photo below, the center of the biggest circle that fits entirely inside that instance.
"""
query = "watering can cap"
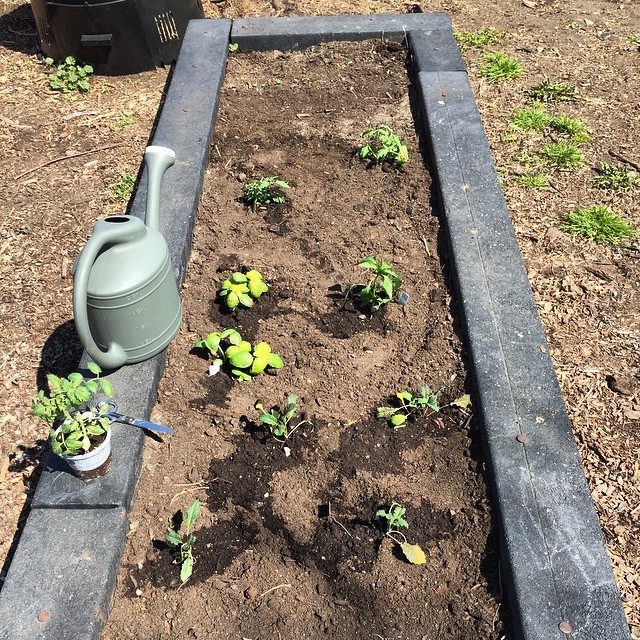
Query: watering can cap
(154, 148)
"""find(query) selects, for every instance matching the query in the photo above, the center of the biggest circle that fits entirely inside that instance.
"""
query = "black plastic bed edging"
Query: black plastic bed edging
(559, 580)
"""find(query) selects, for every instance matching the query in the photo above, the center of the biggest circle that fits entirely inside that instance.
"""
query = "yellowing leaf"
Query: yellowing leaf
(413, 553)
(463, 401)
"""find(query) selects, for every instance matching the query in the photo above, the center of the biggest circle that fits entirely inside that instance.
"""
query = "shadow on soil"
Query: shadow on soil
(18, 30)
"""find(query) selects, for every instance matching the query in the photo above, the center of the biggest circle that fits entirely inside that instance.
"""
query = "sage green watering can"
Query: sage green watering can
(126, 303)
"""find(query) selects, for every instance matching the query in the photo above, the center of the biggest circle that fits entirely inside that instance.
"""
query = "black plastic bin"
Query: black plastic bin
(121, 36)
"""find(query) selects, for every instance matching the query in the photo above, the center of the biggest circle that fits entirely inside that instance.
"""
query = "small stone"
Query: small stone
(251, 593)
(44, 616)
(565, 627)
(138, 592)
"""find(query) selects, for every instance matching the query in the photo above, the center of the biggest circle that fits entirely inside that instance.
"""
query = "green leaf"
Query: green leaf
(275, 361)
(259, 365)
(94, 368)
(107, 387)
(398, 419)
(368, 263)
(241, 359)
(233, 336)
(246, 301)
(463, 401)
(192, 514)
(262, 350)
(413, 553)
(186, 570)
(238, 278)
(267, 418)
(232, 300)
(387, 286)
(173, 538)
(95, 429)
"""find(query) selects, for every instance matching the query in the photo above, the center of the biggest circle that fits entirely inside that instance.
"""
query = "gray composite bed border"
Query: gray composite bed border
(559, 580)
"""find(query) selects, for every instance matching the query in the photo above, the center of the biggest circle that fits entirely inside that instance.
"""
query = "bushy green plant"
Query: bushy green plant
(383, 146)
(598, 223)
(245, 360)
(574, 128)
(616, 178)
(70, 75)
(73, 422)
(184, 541)
(279, 421)
(535, 118)
(548, 91)
(382, 287)
(500, 66)
(241, 289)
(468, 39)
(122, 188)
(561, 155)
(264, 192)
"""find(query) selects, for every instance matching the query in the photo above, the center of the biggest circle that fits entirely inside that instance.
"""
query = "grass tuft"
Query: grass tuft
(469, 39)
(616, 178)
(533, 119)
(574, 128)
(122, 188)
(548, 91)
(500, 66)
(535, 181)
(561, 155)
(597, 223)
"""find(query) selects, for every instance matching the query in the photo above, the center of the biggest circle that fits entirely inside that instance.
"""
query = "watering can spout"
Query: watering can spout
(158, 160)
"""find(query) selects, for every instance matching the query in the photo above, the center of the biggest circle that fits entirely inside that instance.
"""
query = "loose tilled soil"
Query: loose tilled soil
(290, 546)
(61, 155)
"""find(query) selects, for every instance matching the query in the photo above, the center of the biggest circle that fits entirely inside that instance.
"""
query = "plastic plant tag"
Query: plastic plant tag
(213, 369)
(402, 297)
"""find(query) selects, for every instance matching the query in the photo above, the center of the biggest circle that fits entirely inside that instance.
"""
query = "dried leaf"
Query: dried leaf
(413, 553)
(463, 401)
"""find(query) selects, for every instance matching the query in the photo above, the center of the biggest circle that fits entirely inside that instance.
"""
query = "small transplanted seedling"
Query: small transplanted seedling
(548, 91)
(245, 360)
(468, 39)
(70, 75)
(500, 66)
(616, 178)
(264, 192)
(424, 403)
(122, 188)
(125, 120)
(280, 423)
(383, 146)
(382, 288)
(184, 542)
(598, 223)
(394, 517)
(241, 289)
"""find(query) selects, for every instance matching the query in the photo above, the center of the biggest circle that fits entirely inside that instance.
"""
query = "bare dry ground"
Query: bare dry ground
(62, 154)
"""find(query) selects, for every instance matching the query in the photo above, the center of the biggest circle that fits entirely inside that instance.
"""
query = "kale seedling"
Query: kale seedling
(242, 289)
(383, 146)
(184, 542)
(395, 518)
(246, 361)
(279, 422)
(264, 192)
(69, 76)
(381, 288)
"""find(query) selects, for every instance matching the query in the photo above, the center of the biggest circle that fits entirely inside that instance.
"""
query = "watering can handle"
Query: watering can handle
(115, 356)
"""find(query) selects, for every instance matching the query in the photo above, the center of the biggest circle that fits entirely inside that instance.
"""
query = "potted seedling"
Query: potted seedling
(184, 541)
(280, 423)
(79, 431)
(383, 145)
(244, 359)
(241, 289)
(264, 192)
(425, 403)
(383, 285)
(394, 518)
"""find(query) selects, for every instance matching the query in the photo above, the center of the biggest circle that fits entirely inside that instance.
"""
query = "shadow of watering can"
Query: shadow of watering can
(126, 303)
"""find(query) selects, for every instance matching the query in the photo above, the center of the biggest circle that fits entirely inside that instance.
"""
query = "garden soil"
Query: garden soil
(294, 547)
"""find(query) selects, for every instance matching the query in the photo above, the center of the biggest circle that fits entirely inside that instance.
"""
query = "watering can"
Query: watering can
(126, 303)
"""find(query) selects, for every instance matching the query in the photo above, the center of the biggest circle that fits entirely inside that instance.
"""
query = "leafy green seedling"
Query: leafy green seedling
(71, 428)
(561, 155)
(382, 287)
(574, 128)
(500, 66)
(598, 223)
(469, 39)
(122, 188)
(616, 178)
(245, 360)
(264, 192)
(233, 47)
(548, 91)
(279, 422)
(535, 118)
(70, 75)
(184, 542)
(242, 289)
(383, 146)
(534, 181)
(394, 516)
(125, 120)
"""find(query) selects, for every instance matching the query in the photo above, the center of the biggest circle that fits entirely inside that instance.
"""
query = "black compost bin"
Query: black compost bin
(121, 36)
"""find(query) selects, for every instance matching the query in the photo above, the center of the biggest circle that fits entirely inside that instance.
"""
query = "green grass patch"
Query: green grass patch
(469, 39)
(499, 66)
(534, 118)
(574, 128)
(548, 91)
(561, 155)
(535, 181)
(121, 189)
(616, 178)
(599, 224)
